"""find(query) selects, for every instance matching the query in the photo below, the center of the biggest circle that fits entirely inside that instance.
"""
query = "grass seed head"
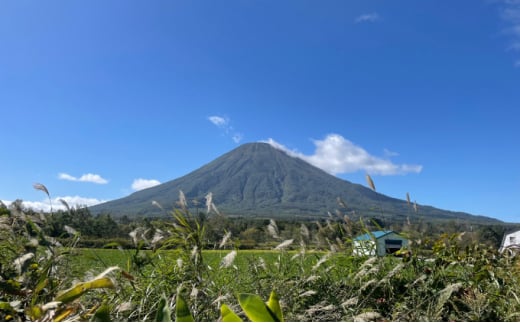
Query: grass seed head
(370, 182)
(284, 244)
(228, 259)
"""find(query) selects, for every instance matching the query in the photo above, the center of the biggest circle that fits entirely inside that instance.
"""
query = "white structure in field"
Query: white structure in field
(511, 241)
(378, 243)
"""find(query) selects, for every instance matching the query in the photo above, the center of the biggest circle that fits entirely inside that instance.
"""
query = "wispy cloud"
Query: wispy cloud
(337, 155)
(224, 124)
(72, 201)
(141, 183)
(218, 121)
(368, 17)
(510, 14)
(91, 178)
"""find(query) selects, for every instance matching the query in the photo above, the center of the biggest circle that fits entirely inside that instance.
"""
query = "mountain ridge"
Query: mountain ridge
(258, 179)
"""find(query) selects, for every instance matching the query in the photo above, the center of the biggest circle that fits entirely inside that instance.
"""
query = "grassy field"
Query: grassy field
(448, 279)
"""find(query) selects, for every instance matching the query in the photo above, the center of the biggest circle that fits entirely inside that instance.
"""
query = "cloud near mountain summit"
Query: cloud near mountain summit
(337, 155)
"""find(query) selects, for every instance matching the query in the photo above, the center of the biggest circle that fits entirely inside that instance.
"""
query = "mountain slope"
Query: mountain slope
(257, 179)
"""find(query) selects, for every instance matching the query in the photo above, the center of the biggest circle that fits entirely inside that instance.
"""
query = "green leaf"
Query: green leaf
(274, 305)
(5, 306)
(182, 311)
(228, 315)
(80, 288)
(163, 311)
(102, 314)
(255, 308)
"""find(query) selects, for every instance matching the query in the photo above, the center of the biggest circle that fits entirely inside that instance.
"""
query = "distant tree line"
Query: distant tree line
(253, 232)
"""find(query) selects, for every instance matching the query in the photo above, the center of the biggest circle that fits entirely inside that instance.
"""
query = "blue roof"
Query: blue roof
(376, 234)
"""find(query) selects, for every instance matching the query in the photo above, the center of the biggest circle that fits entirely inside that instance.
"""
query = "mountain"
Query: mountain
(257, 179)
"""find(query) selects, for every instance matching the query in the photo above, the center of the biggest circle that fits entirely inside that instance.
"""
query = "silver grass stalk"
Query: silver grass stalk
(370, 182)
(225, 239)
(194, 292)
(158, 236)
(214, 208)
(312, 278)
(350, 302)
(445, 294)
(50, 306)
(194, 252)
(65, 204)
(182, 200)
(284, 244)
(209, 201)
(321, 261)
(261, 263)
(304, 231)
(228, 259)
(70, 230)
(41, 187)
(272, 228)
(155, 203)
(368, 283)
(107, 271)
(308, 293)
(367, 317)
(20, 261)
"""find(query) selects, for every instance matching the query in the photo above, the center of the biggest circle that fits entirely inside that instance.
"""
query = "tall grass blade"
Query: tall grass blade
(255, 308)
(274, 305)
(182, 311)
(80, 288)
(228, 315)
(163, 311)
(102, 314)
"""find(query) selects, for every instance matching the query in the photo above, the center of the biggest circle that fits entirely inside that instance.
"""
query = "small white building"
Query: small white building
(378, 243)
(511, 241)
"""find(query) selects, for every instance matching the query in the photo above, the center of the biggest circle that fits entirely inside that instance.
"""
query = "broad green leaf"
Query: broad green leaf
(255, 308)
(182, 311)
(80, 288)
(163, 311)
(102, 314)
(274, 305)
(228, 315)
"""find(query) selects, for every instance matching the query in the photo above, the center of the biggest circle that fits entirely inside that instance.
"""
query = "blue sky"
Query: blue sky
(102, 98)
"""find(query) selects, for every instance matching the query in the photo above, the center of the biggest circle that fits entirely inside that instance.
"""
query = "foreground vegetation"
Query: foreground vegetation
(170, 274)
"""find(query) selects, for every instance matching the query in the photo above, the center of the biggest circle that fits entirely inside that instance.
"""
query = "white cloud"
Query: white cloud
(369, 17)
(510, 14)
(389, 153)
(237, 137)
(218, 121)
(90, 178)
(141, 183)
(223, 123)
(337, 155)
(72, 201)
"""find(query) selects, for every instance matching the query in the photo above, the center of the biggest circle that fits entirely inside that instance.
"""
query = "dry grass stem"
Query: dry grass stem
(370, 182)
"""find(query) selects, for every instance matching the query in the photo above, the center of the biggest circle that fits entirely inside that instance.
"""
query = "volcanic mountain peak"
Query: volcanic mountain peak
(257, 179)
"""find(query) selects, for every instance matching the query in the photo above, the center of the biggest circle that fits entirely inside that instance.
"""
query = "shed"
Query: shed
(378, 243)
(511, 241)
